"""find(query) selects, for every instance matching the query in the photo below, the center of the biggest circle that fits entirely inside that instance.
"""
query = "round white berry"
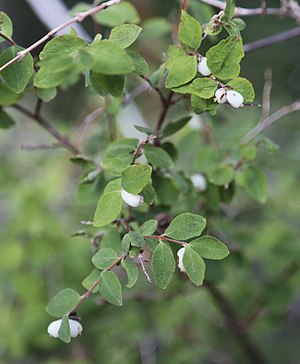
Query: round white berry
(199, 182)
(180, 254)
(234, 98)
(132, 200)
(75, 328)
(221, 95)
(203, 68)
(53, 328)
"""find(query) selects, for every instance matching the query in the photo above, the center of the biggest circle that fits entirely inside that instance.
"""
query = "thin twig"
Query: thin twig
(140, 147)
(266, 96)
(63, 140)
(78, 18)
(40, 146)
(157, 89)
(295, 106)
(163, 112)
(141, 260)
(162, 237)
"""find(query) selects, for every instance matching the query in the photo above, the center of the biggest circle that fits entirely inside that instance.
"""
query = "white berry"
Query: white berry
(132, 200)
(203, 68)
(221, 95)
(75, 328)
(234, 98)
(199, 182)
(180, 254)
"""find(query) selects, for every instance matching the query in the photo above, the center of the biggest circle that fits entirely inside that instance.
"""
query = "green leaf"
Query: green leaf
(190, 32)
(148, 228)
(132, 272)
(124, 35)
(17, 75)
(155, 28)
(244, 87)
(46, 94)
(90, 280)
(118, 14)
(110, 59)
(145, 130)
(122, 147)
(248, 151)
(104, 258)
(157, 156)
(203, 87)
(174, 127)
(6, 27)
(200, 105)
(113, 166)
(186, 226)
(255, 183)
(136, 239)
(8, 97)
(108, 208)
(182, 67)
(136, 177)
(141, 66)
(113, 186)
(229, 11)
(148, 193)
(63, 302)
(232, 28)
(64, 330)
(125, 243)
(194, 266)
(221, 176)
(209, 248)
(239, 23)
(6, 121)
(107, 84)
(163, 265)
(111, 239)
(224, 58)
(110, 288)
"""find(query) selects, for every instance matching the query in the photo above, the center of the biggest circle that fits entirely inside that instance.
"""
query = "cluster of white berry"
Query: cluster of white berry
(75, 328)
(222, 95)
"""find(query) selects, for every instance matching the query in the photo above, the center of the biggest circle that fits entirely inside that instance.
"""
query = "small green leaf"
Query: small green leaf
(90, 280)
(248, 151)
(224, 58)
(107, 84)
(104, 258)
(145, 130)
(63, 302)
(136, 239)
(244, 87)
(136, 177)
(229, 11)
(110, 59)
(46, 94)
(194, 266)
(209, 248)
(125, 243)
(141, 66)
(239, 23)
(6, 27)
(132, 272)
(124, 35)
(200, 105)
(190, 32)
(17, 75)
(122, 147)
(148, 228)
(155, 28)
(113, 166)
(148, 193)
(64, 330)
(118, 14)
(110, 288)
(174, 127)
(113, 186)
(8, 97)
(255, 183)
(221, 176)
(163, 265)
(203, 87)
(157, 156)
(108, 208)
(6, 121)
(186, 226)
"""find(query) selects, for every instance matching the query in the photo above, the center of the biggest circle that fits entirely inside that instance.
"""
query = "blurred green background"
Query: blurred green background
(40, 208)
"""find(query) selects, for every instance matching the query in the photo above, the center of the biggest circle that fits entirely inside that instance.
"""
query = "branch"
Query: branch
(162, 237)
(166, 104)
(78, 18)
(140, 147)
(295, 106)
(64, 141)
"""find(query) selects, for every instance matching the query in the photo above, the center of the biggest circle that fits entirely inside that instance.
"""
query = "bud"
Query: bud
(132, 200)
(221, 96)
(75, 328)
(199, 182)
(203, 68)
(180, 254)
(234, 98)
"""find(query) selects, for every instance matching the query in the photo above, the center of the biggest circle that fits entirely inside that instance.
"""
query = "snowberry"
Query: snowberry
(221, 95)
(180, 254)
(132, 200)
(199, 181)
(75, 328)
(203, 68)
(234, 98)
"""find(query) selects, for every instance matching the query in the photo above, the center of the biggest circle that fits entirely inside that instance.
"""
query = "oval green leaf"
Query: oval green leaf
(186, 226)
(210, 248)
(63, 302)
(163, 265)
(110, 288)
(194, 266)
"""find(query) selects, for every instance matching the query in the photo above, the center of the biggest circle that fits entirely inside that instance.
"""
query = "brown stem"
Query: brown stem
(234, 326)
(140, 147)
(165, 238)
(64, 141)
(157, 89)
(10, 41)
(163, 112)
